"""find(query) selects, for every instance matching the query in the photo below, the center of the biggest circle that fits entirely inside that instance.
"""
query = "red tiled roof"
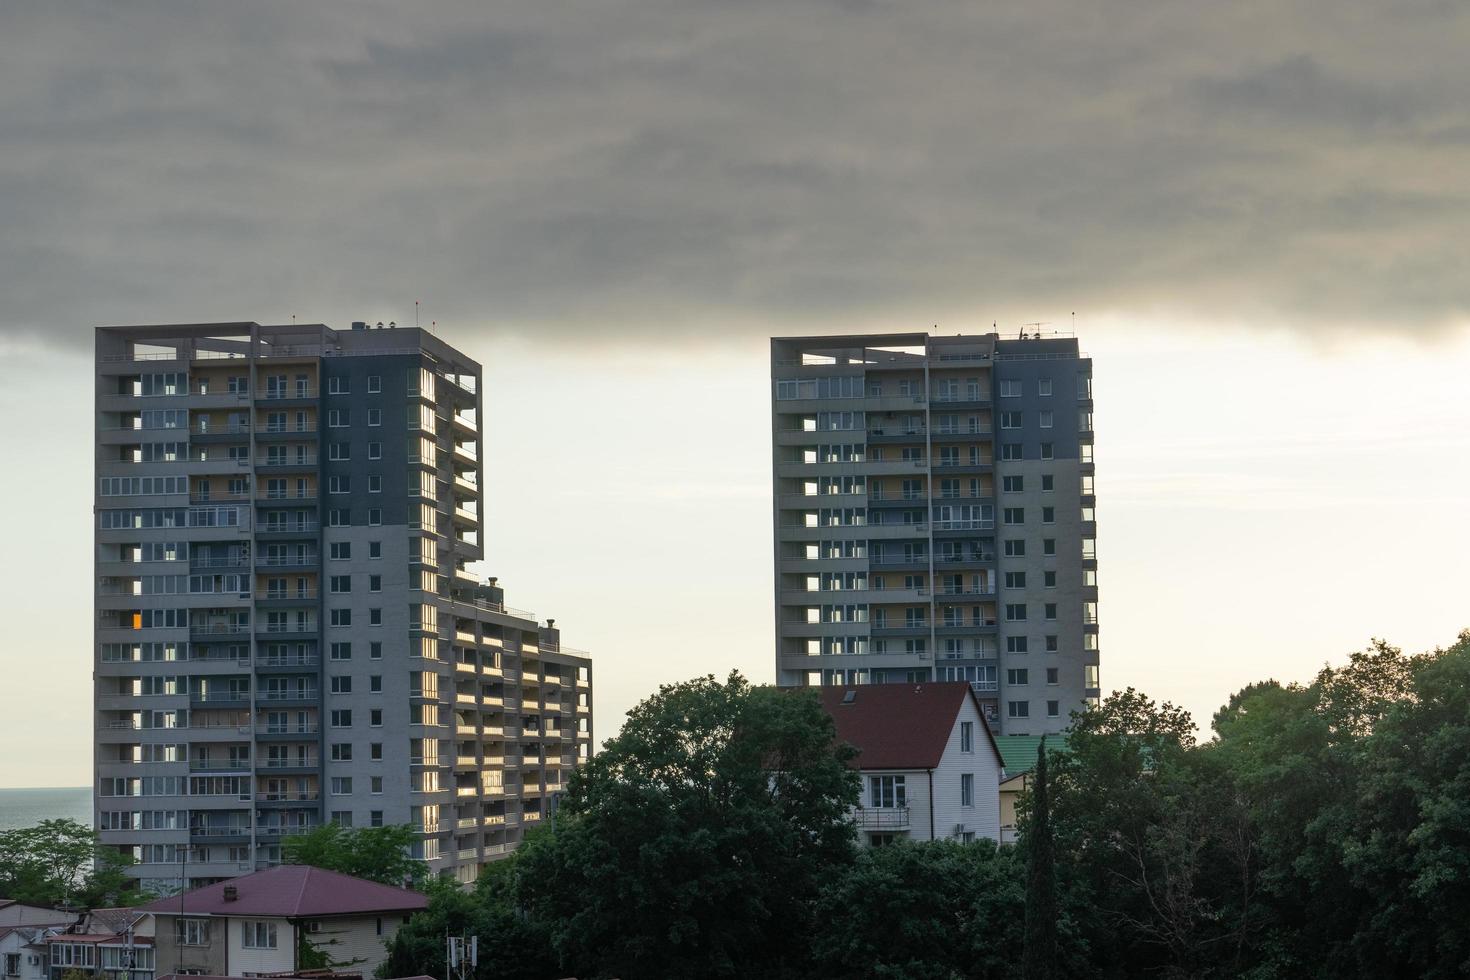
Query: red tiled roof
(899, 726)
(293, 891)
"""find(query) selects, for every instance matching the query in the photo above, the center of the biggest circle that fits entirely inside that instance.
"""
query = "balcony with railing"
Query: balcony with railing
(881, 817)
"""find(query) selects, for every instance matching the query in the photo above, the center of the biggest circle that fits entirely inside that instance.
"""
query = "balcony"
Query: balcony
(881, 818)
(289, 796)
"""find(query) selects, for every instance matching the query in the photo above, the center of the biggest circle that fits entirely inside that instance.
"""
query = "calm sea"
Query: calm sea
(24, 807)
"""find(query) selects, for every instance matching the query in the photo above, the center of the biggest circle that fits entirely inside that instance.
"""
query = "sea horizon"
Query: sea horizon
(25, 806)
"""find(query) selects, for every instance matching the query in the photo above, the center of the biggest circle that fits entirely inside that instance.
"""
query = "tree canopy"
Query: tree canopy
(60, 863)
(1323, 832)
(381, 854)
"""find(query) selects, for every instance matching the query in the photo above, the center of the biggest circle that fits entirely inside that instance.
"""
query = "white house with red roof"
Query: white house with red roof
(257, 923)
(930, 766)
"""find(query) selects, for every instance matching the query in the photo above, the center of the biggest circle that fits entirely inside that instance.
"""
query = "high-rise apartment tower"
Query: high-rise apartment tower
(285, 631)
(935, 518)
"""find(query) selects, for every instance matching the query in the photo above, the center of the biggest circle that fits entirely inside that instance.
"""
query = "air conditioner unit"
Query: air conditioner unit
(33, 960)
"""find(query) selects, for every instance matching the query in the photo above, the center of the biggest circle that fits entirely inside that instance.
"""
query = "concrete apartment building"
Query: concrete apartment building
(286, 632)
(934, 518)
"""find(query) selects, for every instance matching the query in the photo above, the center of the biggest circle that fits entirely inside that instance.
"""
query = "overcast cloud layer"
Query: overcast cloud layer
(683, 167)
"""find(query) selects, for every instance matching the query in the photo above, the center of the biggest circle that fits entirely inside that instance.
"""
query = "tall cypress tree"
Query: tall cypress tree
(1039, 961)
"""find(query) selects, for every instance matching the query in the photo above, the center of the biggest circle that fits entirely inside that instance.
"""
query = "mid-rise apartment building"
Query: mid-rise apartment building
(934, 515)
(286, 629)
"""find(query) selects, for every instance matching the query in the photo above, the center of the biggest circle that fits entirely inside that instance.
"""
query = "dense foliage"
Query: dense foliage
(1323, 832)
(59, 863)
(379, 854)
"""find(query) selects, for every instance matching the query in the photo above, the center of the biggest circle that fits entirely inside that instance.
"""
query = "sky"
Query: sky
(1255, 215)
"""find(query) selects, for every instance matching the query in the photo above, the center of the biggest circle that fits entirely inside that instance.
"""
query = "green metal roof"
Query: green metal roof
(1018, 752)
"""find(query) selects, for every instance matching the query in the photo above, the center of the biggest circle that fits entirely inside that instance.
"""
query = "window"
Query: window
(338, 386)
(1010, 420)
(1010, 451)
(1049, 579)
(967, 736)
(375, 549)
(341, 785)
(1014, 515)
(1048, 515)
(1089, 676)
(1051, 612)
(340, 550)
(1015, 612)
(342, 752)
(1012, 484)
(885, 792)
(375, 416)
(375, 717)
(967, 789)
(341, 651)
(1046, 451)
(342, 818)
(1048, 546)
(1017, 676)
(338, 418)
(375, 684)
(375, 450)
(342, 718)
(341, 685)
(375, 517)
(1051, 644)
(12, 964)
(1010, 389)
(1047, 483)
(375, 484)
(375, 384)
(1047, 420)
(375, 818)
(1018, 709)
(1015, 644)
(258, 935)
(340, 617)
(375, 583)
(1015, 548)
(375, 785)
(375, 751)
(193, 932)
(1043, 387)
(1051, 676)
(1015, 580)
(339, 484)
(340, 584)
(339, 451)
(1053, 709)
(375, 617)
(375, 651)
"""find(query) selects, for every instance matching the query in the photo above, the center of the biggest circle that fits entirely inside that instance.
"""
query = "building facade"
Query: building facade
(930, 766)
(286, 630)
(935, 518)
(261, 924)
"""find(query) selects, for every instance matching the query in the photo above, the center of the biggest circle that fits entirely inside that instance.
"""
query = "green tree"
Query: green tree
(1040, 952)
(382, 854)
(697, 841)
(512, 945)
(60, 862)
(929, 911)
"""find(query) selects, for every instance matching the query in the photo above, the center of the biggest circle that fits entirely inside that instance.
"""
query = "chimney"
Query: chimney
(551, 624)
(231, 893)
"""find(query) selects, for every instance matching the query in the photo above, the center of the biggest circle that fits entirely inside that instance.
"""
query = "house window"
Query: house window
(1017, 675)
(967, 736)
(967, 789)
(1053, 709)
(375, 416)
(1010, 389)
(1046, 451)
(1043, 387)
(887, 792)
(258, 935)
(375, 384)
(1046, 420)
(193, 932)
(1048, 483)
(1018, 709)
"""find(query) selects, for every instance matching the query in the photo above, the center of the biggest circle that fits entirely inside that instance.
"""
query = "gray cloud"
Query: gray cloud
(672, 168)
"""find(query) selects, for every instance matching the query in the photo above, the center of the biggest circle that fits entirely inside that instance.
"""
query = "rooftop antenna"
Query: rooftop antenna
(1038, 325)
(416, 314)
